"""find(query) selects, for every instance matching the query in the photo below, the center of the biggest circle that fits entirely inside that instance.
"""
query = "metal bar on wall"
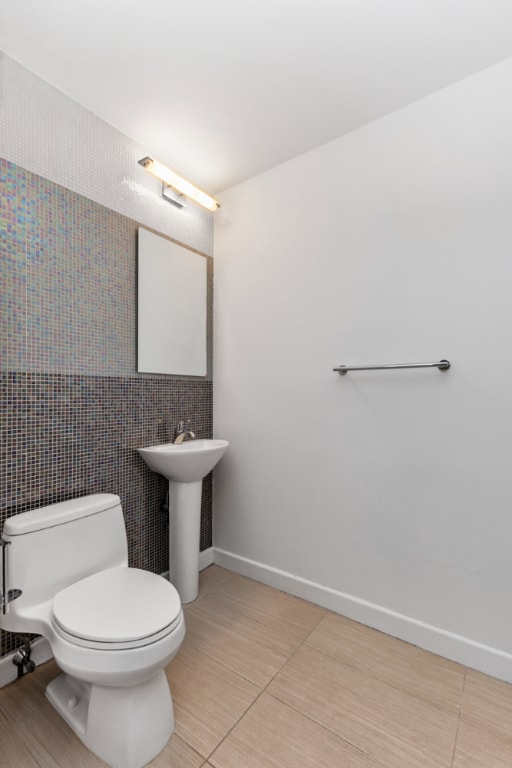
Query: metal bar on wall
(443, 365)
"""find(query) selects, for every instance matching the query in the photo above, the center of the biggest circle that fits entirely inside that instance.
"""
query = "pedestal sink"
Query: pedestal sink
(184, 466)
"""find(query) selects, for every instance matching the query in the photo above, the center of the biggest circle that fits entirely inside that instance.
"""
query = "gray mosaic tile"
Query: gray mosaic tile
(73, 409)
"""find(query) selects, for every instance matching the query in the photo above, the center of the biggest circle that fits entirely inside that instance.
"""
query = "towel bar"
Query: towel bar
(443, 365)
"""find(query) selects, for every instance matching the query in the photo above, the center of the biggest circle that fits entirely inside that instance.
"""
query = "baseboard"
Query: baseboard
(41, 652)
(206, 558)
(481, 657)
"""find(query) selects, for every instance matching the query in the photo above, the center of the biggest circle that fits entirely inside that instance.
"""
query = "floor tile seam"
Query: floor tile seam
(238, 604)
(236, 672)
(323, 727)
(464, 715)
(291, 707)
(289, 658)
(244, 713)
(269, 646)
(193, 749)
(408, 650)
(306, 638)
(375, 676)
(366, 753)
(454, 750)
(368, 718)
(283, 700)
(414, 652)
(223, 664)
(260, 694)
(272, 678)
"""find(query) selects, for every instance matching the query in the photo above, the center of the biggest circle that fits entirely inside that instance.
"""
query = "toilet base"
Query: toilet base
(124, 726)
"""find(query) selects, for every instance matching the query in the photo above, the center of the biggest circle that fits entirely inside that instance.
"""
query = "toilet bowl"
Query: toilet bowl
(112, 629)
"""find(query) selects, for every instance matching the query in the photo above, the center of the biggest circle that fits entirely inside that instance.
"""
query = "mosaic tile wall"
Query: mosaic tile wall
(73, 408)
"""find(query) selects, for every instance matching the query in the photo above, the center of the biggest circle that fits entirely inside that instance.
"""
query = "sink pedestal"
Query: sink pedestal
(184, 465)
(184, 535)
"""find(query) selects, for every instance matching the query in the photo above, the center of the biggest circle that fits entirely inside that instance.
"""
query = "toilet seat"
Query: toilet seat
(116, 609)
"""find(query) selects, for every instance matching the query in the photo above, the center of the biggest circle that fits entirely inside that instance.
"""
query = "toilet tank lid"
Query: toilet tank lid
(57, 514)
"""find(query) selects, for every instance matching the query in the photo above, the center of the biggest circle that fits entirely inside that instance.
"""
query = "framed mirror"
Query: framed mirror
(172, 307)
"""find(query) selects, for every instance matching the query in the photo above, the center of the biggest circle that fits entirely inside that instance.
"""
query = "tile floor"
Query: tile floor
(264, 680)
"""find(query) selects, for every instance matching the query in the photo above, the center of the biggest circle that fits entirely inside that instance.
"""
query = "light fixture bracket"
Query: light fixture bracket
(172, 196)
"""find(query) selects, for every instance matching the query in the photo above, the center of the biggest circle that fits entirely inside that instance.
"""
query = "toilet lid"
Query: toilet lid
(118, 605)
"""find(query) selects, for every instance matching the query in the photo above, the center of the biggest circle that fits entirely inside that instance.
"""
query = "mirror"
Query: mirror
(172, 301)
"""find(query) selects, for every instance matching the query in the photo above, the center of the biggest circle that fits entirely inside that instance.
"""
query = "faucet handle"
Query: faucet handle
(183, 426)
(182, 431)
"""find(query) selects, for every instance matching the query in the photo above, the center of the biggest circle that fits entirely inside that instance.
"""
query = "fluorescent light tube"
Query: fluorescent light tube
(178, 183)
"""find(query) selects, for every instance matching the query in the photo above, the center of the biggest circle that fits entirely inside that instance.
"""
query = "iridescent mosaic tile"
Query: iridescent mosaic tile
(73, 408)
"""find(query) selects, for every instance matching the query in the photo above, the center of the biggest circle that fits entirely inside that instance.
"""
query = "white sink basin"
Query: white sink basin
(185, 463)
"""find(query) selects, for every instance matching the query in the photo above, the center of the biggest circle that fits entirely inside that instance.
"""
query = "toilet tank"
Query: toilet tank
(54, 546)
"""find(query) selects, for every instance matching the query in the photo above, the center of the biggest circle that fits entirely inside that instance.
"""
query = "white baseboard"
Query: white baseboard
(472, 654)
(206, 558)
(41, 652)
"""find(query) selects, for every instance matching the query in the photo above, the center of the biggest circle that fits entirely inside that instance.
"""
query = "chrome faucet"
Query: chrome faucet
(182, 431)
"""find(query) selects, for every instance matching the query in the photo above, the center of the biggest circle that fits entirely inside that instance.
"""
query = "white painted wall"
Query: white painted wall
(385, 495)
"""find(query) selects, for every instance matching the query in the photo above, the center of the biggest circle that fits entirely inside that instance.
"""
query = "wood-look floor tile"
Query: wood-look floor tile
(346, 696)
(177, 754)
(217, 627)
(487, 703)
(275, 609)
(14, 751)
(478, 748)
(22, 697)
(411, 669)
(272, 735)
(212, 578)
(54, 745)
(208, 699)
(390, 725)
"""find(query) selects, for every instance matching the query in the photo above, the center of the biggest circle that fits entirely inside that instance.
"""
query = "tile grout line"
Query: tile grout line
(263, 690)
(458, 721)
(257, 621)
(290, 706)
(327, 613)
(368, 755)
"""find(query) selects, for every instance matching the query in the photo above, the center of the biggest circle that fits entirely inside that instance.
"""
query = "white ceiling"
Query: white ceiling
(222, 90)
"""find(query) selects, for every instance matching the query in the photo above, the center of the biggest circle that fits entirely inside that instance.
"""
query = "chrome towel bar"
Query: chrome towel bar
(443, 365)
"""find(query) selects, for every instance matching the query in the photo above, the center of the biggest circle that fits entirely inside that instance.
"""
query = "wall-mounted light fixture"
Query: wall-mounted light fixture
(178, 184)
(176, 198)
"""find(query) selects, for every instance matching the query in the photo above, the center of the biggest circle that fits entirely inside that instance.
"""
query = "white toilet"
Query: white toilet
(112, 629)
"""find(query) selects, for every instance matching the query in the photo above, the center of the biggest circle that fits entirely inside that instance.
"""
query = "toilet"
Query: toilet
(112, 629)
